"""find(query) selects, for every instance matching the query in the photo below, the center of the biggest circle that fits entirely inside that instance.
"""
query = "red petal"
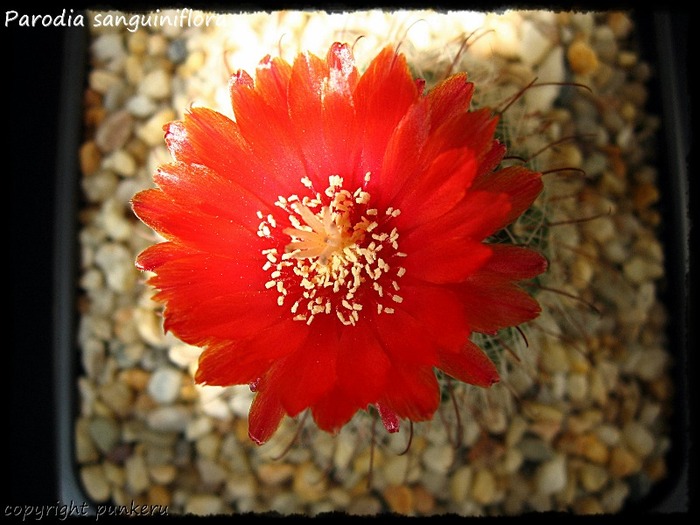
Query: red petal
(159, 254)
(362, 372)
(500, 301)
(265, 415)
(413, 393)
(444, 260)
(389, 418)
(515, 262)
(449, 98)
(304, 377)
(192, 227)
(404, 340)
(198, 188)
(276, 165)
(470, 365)
(438, 190)
(236, 363)
(403, 165)
(323, 116)
(438, 312)
(229, 316)
(473, 130)
(211, 139)
(477, 216)
(520, 184)
(382, 97)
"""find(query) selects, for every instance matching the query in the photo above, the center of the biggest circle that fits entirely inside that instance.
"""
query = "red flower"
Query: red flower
(327, 246)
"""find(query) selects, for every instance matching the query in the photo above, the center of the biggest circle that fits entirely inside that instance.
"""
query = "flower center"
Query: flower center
(337, 256)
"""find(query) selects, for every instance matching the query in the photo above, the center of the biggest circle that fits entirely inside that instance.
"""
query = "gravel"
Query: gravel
(579, 422)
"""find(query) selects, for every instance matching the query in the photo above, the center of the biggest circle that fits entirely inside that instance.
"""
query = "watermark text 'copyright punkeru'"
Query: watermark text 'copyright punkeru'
(63, 511)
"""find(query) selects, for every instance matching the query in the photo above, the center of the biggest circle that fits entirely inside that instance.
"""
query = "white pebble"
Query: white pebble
(439, 458)
(108, 46)
(533, 44)
(151, 132)
(551, 476)
(638, 438)
(197, 428)
(156, 84)
(204, 505)
(141, 106)
(550, 70)
(95, 482)
(136, 474)
(183, 355)
(172, 418)
(164, 385)
(118, 266)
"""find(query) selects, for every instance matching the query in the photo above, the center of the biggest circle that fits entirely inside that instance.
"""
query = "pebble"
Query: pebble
(309, 483)
(365, 506)
(117, 396)
(275, 473)
(104, 433)
(155, 84)
(101, 81)
(439, 458)
(113, 220)
(241, 488)
(577, 388)
(99, 186)
(551, 476)
(137, 479)
(151, 132)
(163, 474)
(85, 450)
(613, 499)
(134, 70)
(593, 477)
(553, 357)
(396, 469)
(424, 501)
(483, 489)
(638, 438)
(114, 131)
(90, 158)
(210, 472)
(605, 44)
(400, 499)
(94, 482)
(107, 47)
(460, 483)
(184, 355)
(159, 495)
(533, 44)
(533, 449)
(512, 460)
(551, 69)
(209, 445)
(164, 385)
(582, 58)
(623, 462)
(116, 262)
(588, 506)
(204, 505)
(171, 418)
(121, 162)
(141, 106)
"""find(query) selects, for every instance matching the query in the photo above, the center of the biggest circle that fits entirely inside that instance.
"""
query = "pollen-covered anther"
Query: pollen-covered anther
(331, 254)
